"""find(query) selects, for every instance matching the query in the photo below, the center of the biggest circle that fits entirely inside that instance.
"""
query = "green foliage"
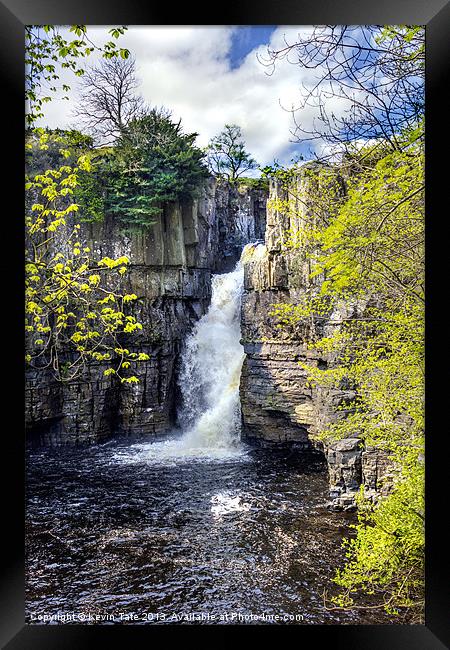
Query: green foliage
(310, 196)
(360, 227)
(385, 560)
(376, 243)
(75, 312)
(407, 41)
(367, 249)
(382, 355)
(261, 183)
(153, 163)
(226, 154)
(48, 52)
(52, 148)
(90, 192)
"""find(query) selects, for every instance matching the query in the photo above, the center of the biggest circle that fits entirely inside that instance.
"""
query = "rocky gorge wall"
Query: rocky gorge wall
(170, 270)
(278, 405)
(235, 229)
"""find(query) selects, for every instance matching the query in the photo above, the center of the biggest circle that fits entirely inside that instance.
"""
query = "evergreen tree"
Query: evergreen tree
(226, 154)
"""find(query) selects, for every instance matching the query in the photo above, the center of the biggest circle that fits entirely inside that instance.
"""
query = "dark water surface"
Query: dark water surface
(142, 541)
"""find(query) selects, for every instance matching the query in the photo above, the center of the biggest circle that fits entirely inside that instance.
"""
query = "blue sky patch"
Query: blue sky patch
(247, 38)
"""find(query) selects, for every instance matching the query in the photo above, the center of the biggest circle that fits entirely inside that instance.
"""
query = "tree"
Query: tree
(368, 84)
(74, 309)
(364, 238)
(226, 154)
(107, 100)
(47, 50)
(154, 162)
(369, 252)
(75, 312)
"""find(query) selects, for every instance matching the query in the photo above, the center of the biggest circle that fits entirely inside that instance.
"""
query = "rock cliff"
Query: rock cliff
(234, 204)
(170, 272)
(278, 405)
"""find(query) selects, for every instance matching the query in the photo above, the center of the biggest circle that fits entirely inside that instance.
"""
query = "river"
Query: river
(195, 528)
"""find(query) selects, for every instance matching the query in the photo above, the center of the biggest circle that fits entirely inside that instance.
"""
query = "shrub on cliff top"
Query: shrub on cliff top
(261, 183)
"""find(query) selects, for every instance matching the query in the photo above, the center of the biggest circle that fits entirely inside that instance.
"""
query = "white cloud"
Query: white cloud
(188, 70)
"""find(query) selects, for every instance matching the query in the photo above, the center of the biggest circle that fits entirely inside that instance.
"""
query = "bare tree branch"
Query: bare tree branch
(366, 87)
(108, 99)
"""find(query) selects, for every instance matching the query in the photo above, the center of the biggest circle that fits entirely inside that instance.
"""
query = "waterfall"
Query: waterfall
(211, 368)
(209, 378)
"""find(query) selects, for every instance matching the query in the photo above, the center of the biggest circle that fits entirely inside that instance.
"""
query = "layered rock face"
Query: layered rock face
(233, 205)
(170, 272)
(278, 405)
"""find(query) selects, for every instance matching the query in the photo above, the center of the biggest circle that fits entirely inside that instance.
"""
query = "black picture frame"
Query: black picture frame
(435, 14)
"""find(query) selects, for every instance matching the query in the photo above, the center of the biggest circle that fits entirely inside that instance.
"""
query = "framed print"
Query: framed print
(230, 243)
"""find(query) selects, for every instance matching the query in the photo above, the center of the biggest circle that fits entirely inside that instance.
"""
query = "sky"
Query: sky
(209, 77)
